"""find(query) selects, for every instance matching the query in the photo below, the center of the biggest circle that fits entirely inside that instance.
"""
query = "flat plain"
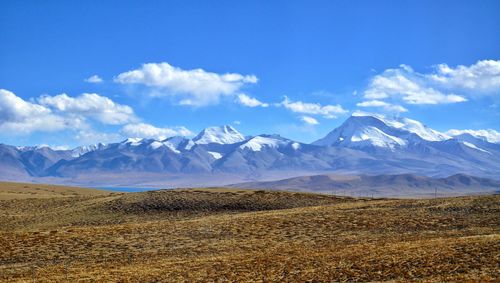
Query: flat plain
(59, 234)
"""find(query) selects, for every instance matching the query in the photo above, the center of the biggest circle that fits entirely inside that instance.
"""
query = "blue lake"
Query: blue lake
(127, 189)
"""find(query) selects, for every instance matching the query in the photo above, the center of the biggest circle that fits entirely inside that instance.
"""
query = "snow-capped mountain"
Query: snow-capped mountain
(409, 125)
(218, 141)
(219, 135)
(178, 143)
(81, 150)
(258, 143)
(366, 130)
(488, 135)
(364, 143)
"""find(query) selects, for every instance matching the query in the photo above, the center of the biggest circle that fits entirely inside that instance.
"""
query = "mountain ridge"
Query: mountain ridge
(363, 144)
(400, 185)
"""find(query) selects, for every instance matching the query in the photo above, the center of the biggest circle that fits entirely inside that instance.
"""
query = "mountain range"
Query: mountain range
(364, 144)
(401, 185)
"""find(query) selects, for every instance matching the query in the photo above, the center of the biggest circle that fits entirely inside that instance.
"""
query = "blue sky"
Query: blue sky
(297, 68)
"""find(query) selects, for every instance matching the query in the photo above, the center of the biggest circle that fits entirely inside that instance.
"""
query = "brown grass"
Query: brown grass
(248, 236)
(10, 190)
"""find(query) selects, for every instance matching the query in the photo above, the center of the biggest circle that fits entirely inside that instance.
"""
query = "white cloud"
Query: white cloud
(309, 120)
(18, 116)
(483, 76)
(443, 85)
(488, 134)
(250, 101)
(409, 86)
(15, 108)
(195, 87)
(60, 112)
(95, 79)
(382, 104)
(92, 105)
(327, 111)
(90, 136)
(142, 130)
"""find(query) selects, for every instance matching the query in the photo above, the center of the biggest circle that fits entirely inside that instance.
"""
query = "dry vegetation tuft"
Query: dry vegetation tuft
(248, 236)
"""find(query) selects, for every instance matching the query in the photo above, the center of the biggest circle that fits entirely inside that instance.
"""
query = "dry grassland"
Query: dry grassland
(10, 190)
(248, 236)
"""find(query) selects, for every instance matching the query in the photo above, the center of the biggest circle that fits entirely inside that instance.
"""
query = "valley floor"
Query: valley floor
(233, 235)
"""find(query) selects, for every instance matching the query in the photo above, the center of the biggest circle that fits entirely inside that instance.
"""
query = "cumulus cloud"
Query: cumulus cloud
(18, 116)
(327, 111)
(143, 130)
(194, 87)
(443, 85)
(92, 105)
(60, 112)
(382, 104)
(309, 120)
(250, 101)
(95, 79)
(403, 83)
(488, 134)
(481, 77)
(15, 108)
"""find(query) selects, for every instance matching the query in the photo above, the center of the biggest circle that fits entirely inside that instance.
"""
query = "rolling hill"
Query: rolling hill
(222, 234)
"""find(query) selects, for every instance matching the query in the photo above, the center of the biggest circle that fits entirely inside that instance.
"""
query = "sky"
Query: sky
(80, 72)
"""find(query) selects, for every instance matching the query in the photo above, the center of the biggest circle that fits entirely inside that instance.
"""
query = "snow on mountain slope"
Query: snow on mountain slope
(220, 135)
(272, 141)
(156, 145)
(374, 136)
(488, 135)
(81, 150)
(177, 143)
(471, 145)
(215, 155)
(131, 142)
(409, 125)
(364, 129)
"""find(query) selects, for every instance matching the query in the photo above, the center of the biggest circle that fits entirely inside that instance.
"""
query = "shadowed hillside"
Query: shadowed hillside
(395, 186)
(216, 200)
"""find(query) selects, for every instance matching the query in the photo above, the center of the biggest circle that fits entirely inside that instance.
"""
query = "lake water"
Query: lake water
(127, 189)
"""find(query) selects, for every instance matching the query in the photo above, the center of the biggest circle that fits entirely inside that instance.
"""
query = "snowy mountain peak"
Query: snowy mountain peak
(220, 135)
(423, 131)
(178, 143)
(81, 150)
(409, 125)
(488, 135)
(273, 141)
(365, 129)
(132, 141)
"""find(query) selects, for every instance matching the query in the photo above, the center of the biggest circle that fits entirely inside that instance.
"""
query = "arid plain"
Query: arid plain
(64, 234)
